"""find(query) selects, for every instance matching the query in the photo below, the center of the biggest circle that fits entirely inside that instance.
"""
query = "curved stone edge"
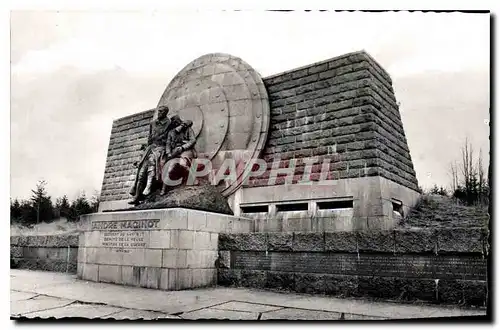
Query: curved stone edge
(239, 65)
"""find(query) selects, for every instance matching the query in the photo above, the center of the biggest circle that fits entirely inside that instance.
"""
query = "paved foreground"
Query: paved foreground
(47, 294)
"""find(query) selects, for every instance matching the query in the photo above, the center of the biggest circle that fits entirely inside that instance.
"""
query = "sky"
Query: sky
(73, 73)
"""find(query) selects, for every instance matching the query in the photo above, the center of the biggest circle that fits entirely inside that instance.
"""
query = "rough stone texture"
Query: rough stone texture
(49, 253)
(229, 277)
(475, 292)
(45, 241)
(420, 241)
(308, 242)
(341, 242)
(450, 292)
(243, 242)
(341, 285)
(413, 272)
(204, 198)
(280, 242)
(280, 280)
(379, 241)
(253, 278)
(350, 106)
(379, 287)
(460, 240)
(417, 289)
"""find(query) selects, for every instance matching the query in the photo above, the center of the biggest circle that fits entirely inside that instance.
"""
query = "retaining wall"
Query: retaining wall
(439, 266)
(50, 253)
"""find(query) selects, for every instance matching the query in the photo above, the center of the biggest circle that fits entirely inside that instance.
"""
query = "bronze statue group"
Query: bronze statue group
(169, 139)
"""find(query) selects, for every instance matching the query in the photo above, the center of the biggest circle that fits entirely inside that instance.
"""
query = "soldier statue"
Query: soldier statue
(180, 144)
(152, 161)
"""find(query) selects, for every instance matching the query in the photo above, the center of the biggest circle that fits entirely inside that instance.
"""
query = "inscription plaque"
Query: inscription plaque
(149, 224)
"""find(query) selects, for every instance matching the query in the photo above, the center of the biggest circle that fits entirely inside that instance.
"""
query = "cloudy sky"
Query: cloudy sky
(72, 73)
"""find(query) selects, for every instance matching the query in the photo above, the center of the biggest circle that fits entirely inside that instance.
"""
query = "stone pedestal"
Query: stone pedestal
(169, 249)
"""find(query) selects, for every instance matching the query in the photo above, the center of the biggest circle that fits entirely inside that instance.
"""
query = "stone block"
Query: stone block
(110, 274)
(457, 240)
(310, 283)
(415, 241)
(417, 289)
(164, 279)
(375, 241)
(229, 277)
(82, 255)
(159, 239)
(150, 277)
(201, 258)
(91, 255)
(201, 240)
(450, 292)
(182, 239)
(197, 220)
(108, 256)
(174, 219)
(243, 242)
(378, 287)
(16, 252)
(308, 242)
(279, 241)
(224, 259)
(174, 258)
(152, 258)
(253, 278)
(90, 272)
(184, 278)
(131, 275)
(14, 240)
(475, 293)
(214, 241)
(280, 280)
(341, 285)
(341, 241)
(204, 277)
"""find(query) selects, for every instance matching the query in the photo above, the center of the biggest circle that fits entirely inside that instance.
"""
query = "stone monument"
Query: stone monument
(319, 148)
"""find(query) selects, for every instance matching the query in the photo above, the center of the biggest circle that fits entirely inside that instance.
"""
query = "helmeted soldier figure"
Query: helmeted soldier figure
(150, 165)
(180, 144)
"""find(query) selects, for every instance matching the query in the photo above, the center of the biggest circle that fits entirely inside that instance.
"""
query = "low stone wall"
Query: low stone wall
(51, 253)
(441, 266)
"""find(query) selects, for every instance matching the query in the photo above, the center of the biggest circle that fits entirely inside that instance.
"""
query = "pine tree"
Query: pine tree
(41, 203)
(15, 211)
(63, 207)
(80, 206)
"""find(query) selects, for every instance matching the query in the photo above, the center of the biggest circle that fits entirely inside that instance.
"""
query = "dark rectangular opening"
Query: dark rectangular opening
(397, 206)
(254, 209)
(333, 205)
(291, 207)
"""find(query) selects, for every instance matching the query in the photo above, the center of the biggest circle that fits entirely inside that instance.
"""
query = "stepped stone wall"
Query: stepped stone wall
(343, 109)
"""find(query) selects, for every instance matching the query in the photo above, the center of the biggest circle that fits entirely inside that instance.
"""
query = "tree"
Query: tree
(438, 191)
(471, 187)
(63, 207)
(15, 211)
(80, 206)
(41, 203)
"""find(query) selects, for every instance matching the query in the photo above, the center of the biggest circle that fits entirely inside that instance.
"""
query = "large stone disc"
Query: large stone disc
(227, 101)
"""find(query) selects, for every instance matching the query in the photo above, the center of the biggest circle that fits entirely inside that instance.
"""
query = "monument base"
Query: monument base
(169, 249)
